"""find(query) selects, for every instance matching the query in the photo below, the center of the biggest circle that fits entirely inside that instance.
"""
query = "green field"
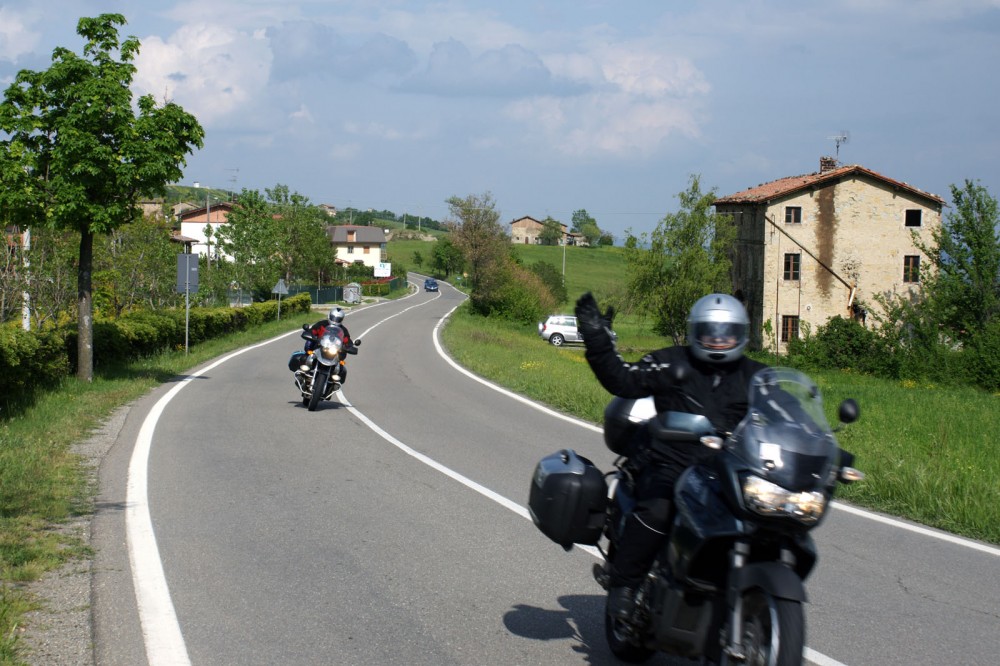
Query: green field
(586, 269)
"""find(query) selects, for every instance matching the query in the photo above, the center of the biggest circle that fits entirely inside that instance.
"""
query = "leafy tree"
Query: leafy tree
(477, 232)
(76, 156)
(963, 290)
(686, 257)
(418, 258)
(551, 233)
(303, 249)
(581, 218)
(584, 224)
(46, 271)
(251, 239)
(446, 258)
(135, 265)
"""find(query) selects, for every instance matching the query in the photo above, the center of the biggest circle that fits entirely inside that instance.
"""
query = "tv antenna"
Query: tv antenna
(232, 190)
(838, 139)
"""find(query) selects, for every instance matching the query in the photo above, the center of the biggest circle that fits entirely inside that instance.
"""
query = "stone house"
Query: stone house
(820, 245)
(527, 231)
(354, 244)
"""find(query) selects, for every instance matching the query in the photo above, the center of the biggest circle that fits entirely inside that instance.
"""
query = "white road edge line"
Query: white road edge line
(161, 632)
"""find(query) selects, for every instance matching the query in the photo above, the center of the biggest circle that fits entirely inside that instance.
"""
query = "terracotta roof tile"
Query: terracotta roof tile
(792, 184)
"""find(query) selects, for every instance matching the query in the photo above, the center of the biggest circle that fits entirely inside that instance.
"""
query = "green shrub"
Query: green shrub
(981, 358)
(553, 279)
(28, 361)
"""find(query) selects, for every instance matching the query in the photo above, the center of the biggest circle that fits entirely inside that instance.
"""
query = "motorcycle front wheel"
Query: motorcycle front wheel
(773, 630)
(318, 386)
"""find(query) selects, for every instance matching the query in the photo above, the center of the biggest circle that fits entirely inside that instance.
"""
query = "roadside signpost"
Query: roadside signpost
(279, 289)
(187, 281)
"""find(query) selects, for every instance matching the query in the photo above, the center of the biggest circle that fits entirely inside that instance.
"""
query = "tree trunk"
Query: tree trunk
(85, 310)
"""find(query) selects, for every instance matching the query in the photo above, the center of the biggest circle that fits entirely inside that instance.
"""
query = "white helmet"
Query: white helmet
(718, 328)
(336, 315)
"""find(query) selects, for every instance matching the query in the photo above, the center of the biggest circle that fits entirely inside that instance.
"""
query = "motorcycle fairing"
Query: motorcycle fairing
(703, 529)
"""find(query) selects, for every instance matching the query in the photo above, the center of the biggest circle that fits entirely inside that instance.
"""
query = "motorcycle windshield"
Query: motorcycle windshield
(330, 345)
(785, 436)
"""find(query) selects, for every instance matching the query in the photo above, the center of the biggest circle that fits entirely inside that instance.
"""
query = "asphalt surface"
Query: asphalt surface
(388, 528)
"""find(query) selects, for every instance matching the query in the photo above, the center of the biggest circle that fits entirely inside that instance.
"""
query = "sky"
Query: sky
(552, 106)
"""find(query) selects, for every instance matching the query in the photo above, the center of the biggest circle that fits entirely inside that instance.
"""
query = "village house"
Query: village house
(358, 245)
(527, 231)
(820, 245)
(194, 221)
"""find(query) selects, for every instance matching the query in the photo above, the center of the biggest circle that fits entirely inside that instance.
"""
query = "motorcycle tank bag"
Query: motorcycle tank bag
(297, 359)
(568, 499)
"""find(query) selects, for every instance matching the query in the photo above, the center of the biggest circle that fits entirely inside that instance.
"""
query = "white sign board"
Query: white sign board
(383, 270)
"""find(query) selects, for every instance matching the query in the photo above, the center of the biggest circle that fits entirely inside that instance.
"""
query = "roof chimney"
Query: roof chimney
(827, 164)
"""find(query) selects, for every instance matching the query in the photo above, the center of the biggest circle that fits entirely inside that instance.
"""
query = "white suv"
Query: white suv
(559, 329)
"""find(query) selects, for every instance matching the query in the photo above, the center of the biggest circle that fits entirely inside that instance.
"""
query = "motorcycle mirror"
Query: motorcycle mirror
(305, 327)
(849, 411)
(357, 343)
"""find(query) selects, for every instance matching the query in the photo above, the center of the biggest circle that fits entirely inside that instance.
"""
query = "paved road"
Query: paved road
(389, 529)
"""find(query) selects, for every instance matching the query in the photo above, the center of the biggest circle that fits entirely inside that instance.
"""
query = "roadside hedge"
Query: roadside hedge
(31, 362)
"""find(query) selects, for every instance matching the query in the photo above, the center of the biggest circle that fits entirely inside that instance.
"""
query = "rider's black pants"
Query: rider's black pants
(646, 528)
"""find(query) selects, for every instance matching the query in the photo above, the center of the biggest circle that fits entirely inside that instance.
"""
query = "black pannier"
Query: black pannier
(568, 499)
(297, 359)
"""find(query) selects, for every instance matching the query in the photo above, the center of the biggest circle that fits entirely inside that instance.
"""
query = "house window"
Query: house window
(789, 327)
(351, 236)
(914, 217)
(911, 268)
(350, 249)
(793, 214)
(792, 266)
(367, 249)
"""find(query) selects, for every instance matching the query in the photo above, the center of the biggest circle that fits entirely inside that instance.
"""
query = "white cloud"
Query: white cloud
(647, 73)
(15, 37)
(606, 124)
(639, 96)
(212, 71)
(345, 152)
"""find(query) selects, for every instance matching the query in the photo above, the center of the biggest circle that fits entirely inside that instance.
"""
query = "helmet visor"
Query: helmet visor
(719, 336)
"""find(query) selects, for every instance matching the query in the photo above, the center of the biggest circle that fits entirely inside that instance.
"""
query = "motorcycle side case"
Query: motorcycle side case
(568, 499)
(296, 359)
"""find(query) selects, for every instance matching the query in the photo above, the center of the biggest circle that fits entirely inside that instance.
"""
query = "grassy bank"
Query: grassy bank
(929, 453)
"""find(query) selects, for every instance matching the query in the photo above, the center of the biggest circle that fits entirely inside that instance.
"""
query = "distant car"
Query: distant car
(430, 284)
(560, 329)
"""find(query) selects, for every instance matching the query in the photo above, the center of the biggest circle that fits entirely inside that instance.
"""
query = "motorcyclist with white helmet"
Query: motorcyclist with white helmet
(334, 319)
(715, 377)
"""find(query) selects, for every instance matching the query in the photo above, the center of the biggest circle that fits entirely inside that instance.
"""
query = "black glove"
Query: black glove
(592, 324)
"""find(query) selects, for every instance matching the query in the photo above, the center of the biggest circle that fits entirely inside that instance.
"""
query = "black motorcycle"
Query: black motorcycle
(320, 371)
(729, 583)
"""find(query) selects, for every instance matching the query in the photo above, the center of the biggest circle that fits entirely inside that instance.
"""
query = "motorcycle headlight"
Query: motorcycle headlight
(331, 348)
(769, 499)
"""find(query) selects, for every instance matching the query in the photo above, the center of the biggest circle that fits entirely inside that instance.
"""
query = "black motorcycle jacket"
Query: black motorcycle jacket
(719, 391)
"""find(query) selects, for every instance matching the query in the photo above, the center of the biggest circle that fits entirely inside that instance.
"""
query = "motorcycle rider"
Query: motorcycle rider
(334, 319)
(715, 377)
